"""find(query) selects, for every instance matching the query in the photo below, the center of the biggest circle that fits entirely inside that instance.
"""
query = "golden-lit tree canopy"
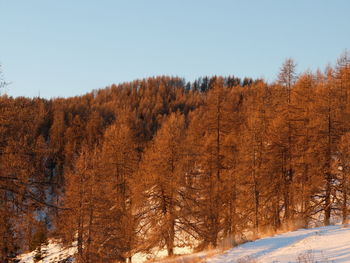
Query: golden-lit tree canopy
(161, 163)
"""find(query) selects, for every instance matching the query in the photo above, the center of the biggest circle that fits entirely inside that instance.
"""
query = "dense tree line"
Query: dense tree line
(163, 163)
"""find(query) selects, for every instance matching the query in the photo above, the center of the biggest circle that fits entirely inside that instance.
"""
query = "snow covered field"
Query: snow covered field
(323, 244)
(52, 253)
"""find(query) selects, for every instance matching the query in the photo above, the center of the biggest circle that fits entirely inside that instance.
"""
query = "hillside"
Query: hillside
(323, 244)
(161, 163)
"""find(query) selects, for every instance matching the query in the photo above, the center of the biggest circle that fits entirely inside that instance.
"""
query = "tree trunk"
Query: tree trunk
(345, 200)
(328, 208)
(171, 236)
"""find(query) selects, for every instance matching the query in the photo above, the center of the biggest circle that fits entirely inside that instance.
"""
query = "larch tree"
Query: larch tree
(306, 170)
(328, 119)
(213, 128)
(284, 122)
(341, 169)
(344, 170)
(162, 177)
(119, 222)
(80, 204)
(252, 166)
(287, 75)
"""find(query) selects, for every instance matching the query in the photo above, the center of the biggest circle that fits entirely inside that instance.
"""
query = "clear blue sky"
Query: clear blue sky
(70, 47)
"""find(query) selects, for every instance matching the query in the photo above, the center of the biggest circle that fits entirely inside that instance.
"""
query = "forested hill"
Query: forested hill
(161, 163)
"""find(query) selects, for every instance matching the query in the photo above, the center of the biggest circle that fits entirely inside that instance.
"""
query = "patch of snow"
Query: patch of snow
(322, 244)
(159, 254)
(53, 252)
(331, 243)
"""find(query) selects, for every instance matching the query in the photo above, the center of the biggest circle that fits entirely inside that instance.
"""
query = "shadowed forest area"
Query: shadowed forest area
(162, 162)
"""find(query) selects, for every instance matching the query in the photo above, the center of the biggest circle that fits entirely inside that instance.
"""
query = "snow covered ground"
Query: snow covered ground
(52, 253)
(323, 244)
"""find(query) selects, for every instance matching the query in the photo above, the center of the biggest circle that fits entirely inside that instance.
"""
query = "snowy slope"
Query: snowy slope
(323, 244)
(52, 253)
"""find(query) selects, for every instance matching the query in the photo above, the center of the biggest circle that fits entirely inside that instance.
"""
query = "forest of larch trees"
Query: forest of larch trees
(161, 162)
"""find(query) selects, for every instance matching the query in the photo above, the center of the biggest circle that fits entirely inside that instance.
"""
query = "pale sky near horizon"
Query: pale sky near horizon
(70, 47)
